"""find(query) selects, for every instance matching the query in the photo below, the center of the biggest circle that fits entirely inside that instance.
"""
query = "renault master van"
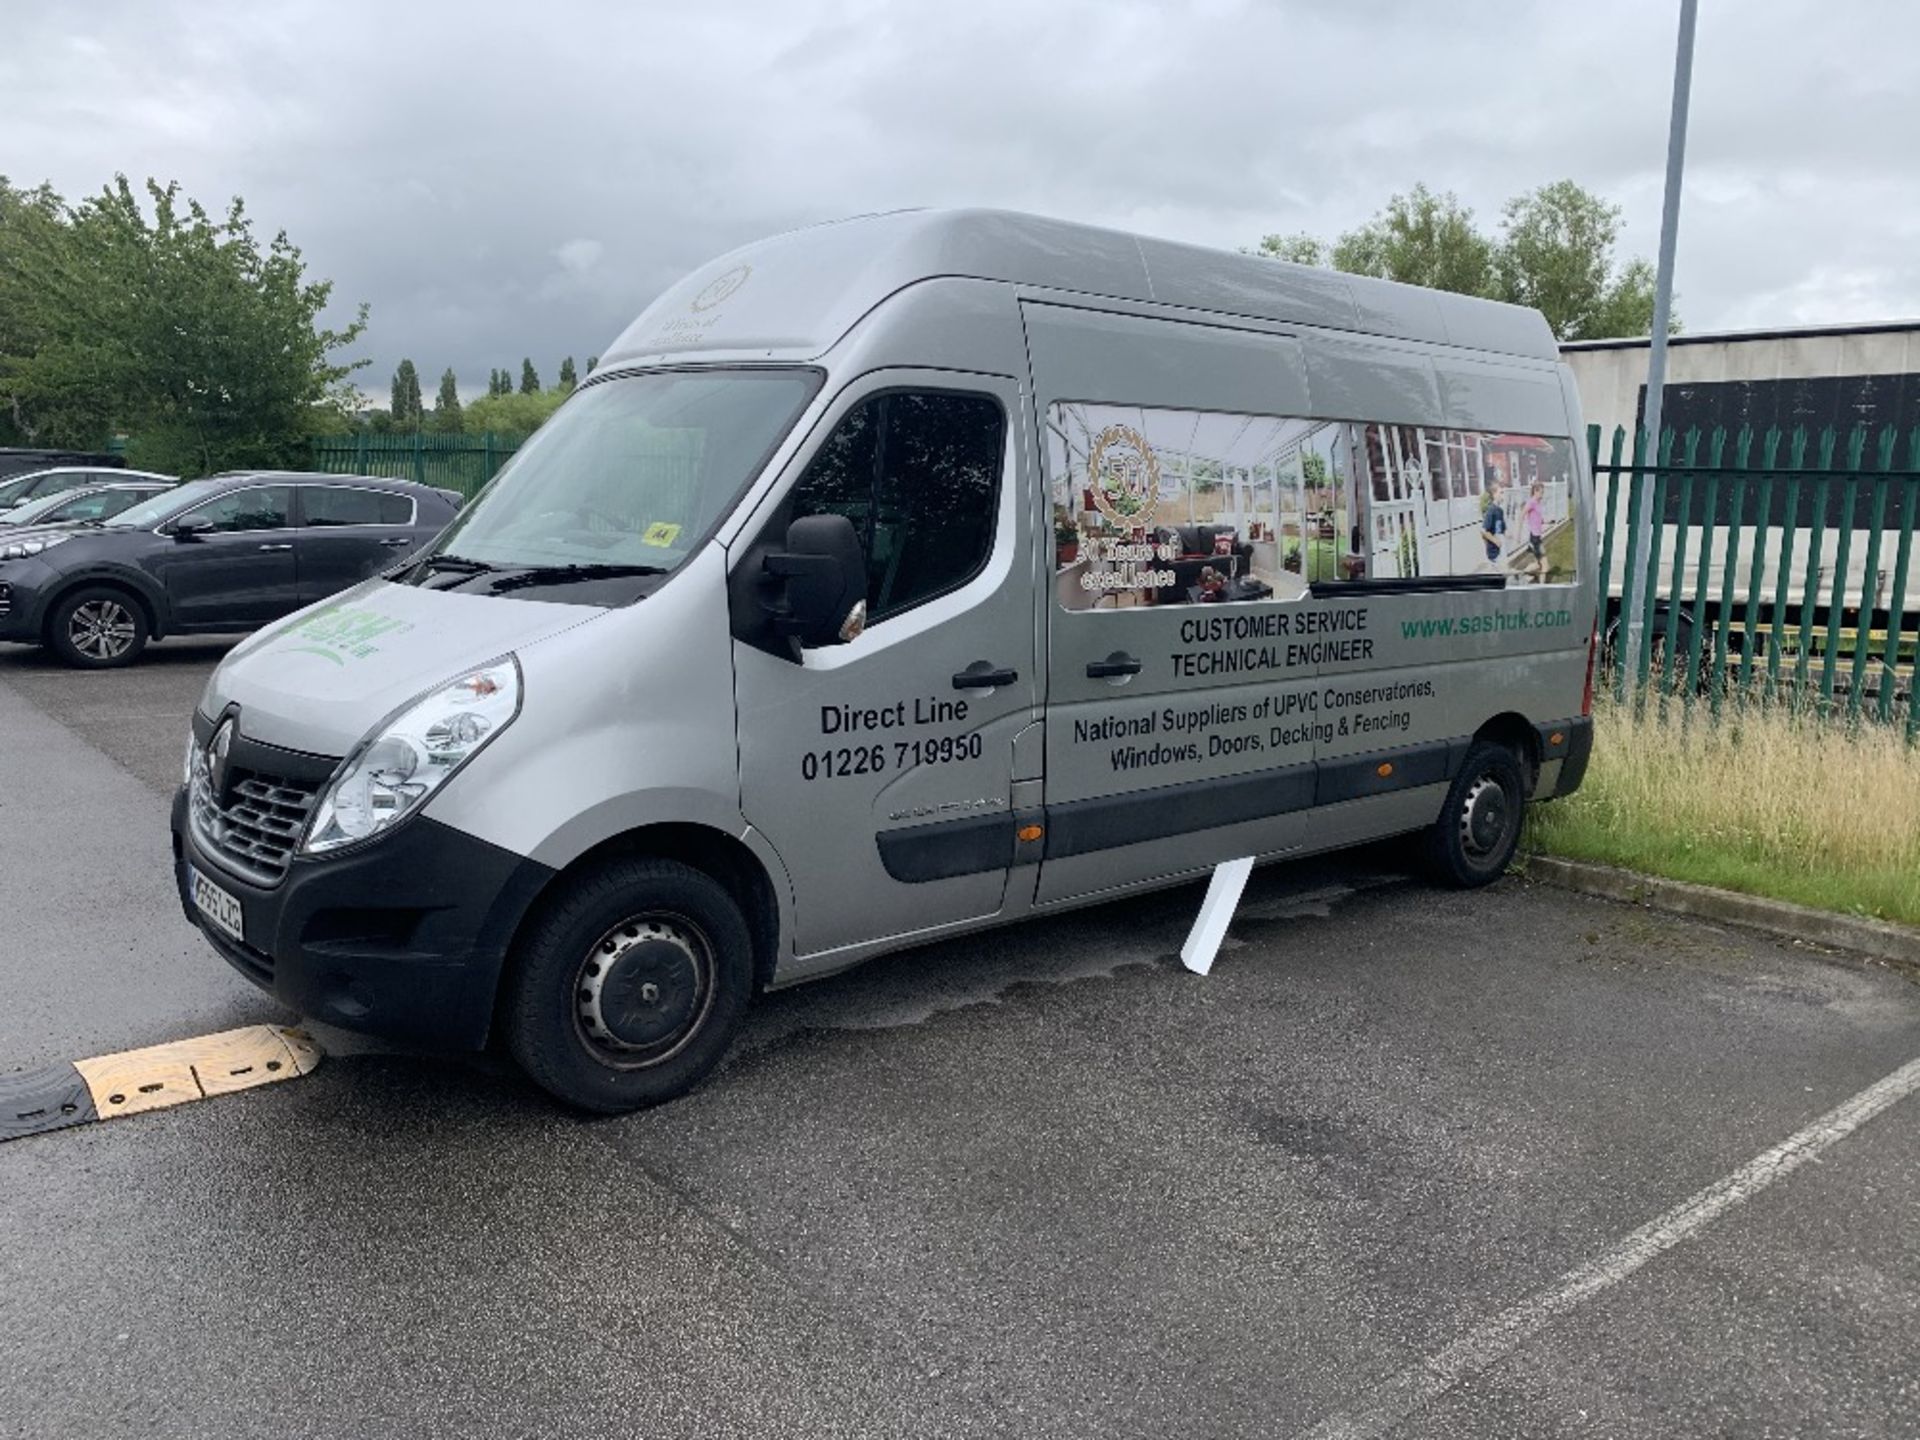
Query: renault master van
(889, 580)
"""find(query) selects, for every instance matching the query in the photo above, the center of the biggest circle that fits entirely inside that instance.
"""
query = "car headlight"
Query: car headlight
(412, 755)
(21, 549)
(193, 753)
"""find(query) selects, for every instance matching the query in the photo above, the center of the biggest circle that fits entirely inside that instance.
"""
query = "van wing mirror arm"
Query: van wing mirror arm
(784, 566)
(814, 589)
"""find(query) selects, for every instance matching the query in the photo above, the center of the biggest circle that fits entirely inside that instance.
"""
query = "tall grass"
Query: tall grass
(1763, 801)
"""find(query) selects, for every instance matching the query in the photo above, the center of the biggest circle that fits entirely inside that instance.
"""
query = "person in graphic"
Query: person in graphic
(1493, 524)
(1536, 516)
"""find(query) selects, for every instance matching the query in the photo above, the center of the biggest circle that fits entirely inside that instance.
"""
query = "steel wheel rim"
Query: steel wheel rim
(101, 629)
(660, 949)
(1486, 814)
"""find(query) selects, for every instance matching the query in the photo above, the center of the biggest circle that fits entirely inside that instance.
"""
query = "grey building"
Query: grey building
(1838, 375)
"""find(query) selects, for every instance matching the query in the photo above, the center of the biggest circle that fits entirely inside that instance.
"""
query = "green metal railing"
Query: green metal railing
(1769, 563)
(452, 462)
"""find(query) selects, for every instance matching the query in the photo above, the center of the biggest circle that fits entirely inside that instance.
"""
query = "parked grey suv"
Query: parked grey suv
(225, 554)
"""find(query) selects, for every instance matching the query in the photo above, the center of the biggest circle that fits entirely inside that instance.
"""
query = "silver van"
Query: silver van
(892, 579)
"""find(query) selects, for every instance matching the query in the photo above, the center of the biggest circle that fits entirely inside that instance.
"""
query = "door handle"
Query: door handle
(397, 542)
(981, 675)
(276, 547)
(1115, 665)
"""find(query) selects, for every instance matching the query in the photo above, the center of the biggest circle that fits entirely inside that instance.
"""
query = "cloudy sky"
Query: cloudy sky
(500, 178)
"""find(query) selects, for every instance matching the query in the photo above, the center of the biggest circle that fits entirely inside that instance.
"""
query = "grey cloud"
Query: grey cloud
(507, 180)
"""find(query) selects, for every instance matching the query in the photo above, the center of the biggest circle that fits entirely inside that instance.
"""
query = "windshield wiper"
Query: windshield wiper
(458, 562)
(567, 574)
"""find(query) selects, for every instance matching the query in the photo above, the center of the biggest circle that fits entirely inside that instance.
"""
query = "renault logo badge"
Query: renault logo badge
(217, 752)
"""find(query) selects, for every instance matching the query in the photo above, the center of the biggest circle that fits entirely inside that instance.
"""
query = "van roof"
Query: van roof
(801, 291)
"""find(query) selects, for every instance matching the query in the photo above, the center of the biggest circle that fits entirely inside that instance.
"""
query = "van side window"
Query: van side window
(1159, 507)
(918, 473)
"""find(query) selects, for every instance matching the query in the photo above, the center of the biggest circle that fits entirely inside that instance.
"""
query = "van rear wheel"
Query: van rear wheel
(628, 987)
(1473, 841)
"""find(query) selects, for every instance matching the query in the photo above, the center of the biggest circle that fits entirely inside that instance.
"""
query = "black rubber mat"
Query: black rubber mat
(50, 1098)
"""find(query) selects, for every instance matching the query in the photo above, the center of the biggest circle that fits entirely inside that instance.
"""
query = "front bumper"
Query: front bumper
(403, 939)
(23, 588)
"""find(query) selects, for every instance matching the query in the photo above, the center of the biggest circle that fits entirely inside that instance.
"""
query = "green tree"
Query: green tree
(1420, 239)
(150, 316)
(593, 363)
(406, 404)
(512, 414)
(446, 405)
(1297, 248)
(1558, 257)
(1554, 252)
(529, 380)
(567, 378)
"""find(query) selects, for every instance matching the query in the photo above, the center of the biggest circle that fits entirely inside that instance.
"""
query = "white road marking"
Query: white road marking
(1486, 1344)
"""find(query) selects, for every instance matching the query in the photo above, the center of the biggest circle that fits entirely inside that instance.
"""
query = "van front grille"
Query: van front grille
(258, 827)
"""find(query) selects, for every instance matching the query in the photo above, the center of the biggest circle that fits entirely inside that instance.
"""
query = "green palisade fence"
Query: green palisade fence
(451, 462)
(1781, 567)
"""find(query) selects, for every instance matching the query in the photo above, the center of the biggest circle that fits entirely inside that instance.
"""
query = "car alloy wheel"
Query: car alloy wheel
(101, 629)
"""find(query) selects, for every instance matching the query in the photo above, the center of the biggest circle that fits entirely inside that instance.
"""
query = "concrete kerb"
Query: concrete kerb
(1875, 938)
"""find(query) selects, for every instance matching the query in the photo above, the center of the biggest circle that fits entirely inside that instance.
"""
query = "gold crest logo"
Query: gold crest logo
(1124, 475)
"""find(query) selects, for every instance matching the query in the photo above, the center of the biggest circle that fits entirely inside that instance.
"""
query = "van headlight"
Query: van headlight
(412, 755)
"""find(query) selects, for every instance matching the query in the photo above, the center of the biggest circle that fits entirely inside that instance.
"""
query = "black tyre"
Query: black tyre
(1662, 675)
(628, 986)
(97, 627)
(1474, 839)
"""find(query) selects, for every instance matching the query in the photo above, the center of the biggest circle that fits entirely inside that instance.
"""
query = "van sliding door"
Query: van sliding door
(1188, 520)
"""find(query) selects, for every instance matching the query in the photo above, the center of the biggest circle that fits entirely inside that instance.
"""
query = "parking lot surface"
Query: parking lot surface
(1034, 1182)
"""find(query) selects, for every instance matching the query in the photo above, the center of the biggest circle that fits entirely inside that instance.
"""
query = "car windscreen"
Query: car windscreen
(43, 507)
(17, 487)
(628, 477)
(82, 505)
(149, 513)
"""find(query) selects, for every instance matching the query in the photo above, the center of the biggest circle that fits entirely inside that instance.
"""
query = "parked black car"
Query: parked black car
(212, 556)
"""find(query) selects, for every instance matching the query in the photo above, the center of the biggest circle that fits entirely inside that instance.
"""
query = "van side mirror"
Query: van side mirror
(820, 581)
(191, 528)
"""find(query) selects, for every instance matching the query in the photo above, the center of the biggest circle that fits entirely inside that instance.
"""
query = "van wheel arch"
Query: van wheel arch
(1514, 732)
(713, 852)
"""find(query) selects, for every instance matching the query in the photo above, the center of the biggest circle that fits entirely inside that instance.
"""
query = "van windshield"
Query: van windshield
(626, 480)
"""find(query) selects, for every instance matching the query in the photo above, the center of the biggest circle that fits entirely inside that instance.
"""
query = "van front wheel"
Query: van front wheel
(1478, 830)
(629, 985)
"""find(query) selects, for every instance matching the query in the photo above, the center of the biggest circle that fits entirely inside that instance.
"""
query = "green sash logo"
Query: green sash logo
(342, 633)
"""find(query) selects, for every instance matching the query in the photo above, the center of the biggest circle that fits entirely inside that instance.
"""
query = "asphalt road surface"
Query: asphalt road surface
(1407, 1162)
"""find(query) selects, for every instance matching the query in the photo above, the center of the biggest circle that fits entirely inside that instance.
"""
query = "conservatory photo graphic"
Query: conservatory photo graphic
(1181, 507)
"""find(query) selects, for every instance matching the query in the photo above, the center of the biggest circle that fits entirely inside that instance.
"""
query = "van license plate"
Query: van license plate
(216, 904)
